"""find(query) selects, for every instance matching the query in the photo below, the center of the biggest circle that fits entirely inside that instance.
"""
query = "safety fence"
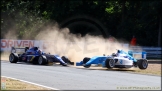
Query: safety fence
(152, 52)
(6, 44)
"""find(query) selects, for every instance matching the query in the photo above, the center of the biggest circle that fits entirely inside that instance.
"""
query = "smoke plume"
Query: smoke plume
(75, 47)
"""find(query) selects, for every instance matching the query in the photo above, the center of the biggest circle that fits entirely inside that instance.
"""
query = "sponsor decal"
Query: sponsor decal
(6, 43)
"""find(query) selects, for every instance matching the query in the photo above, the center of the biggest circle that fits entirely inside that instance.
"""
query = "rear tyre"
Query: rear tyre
(142, 63)
(42, 60)
(109, 63)
(13, 58)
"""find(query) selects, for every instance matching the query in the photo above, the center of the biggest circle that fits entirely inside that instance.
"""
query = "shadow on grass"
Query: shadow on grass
(155, 62)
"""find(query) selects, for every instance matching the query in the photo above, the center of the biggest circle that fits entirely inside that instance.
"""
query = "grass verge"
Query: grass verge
(12, 84)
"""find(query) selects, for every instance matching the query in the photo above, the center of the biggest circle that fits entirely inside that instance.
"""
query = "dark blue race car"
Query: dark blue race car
(36, 56)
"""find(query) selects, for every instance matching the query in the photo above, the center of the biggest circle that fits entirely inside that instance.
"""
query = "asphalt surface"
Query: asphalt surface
(70, 78)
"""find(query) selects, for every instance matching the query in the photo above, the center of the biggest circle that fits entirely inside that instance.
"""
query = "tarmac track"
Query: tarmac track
(71, 78)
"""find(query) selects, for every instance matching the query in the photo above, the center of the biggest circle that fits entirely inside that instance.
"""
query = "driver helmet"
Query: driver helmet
(39, 51)
(118, 51)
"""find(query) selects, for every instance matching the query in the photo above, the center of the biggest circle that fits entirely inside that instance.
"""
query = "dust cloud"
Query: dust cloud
(75, 47)
(60, 41)
(11, 34)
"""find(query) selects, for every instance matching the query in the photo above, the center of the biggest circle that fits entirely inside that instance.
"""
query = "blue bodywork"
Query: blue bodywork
(101, 59)
(94, 60)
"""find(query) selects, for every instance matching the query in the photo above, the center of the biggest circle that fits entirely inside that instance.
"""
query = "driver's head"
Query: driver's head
(118, 51)
(40, 51)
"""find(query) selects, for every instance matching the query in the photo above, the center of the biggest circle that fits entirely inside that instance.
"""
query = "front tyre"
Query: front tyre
(85, 60)
(109, 63)
(42, 60)
(142, 63)
(87, 66)
(66, 60)
(13, 58)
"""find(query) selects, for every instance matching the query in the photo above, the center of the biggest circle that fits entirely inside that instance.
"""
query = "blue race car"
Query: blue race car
(121, 59)
(36, 56)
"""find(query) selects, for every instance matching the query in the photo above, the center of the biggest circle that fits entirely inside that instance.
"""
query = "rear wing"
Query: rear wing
(137, 55)
(19, 49)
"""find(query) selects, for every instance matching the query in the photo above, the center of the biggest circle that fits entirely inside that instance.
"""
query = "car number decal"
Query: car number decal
(121, 61)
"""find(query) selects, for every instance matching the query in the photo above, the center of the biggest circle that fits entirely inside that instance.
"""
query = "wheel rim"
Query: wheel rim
(111, 62)
(11, 58)
(40, 60)
(144, 63)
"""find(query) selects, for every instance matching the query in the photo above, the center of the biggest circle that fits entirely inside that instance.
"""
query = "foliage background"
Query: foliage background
(123, 18)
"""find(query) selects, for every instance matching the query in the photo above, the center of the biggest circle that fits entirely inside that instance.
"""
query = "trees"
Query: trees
(123, 18)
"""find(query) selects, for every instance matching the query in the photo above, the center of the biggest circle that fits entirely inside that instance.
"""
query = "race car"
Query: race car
(121, 59)
(37, 56)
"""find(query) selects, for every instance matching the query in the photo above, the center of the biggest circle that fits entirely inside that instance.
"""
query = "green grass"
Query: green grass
(10, 84)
